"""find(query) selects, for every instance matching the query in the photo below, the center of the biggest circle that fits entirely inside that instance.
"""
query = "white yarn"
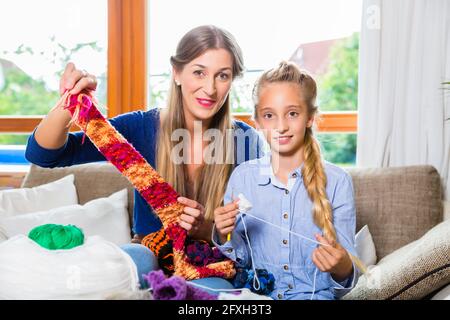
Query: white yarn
(244, 204)
(90, 271)
(255, 275)
(245, 294)
(216, 290)
(247, 205)
(314, 284)
(255, 278)
(287, 230)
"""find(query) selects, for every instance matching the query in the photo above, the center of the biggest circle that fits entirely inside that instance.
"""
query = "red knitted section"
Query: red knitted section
(159, 195)
(178, 236)
(123, 155)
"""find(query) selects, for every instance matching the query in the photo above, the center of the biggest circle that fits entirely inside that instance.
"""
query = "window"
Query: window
(124, 86)
(47, 36)
(337, 76)
(38, 39)
(267, 31)
(321, 36)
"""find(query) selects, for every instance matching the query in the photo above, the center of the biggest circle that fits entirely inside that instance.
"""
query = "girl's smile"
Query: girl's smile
(284, 139)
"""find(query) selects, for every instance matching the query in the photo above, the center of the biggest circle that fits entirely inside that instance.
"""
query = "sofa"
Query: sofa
(401, 206)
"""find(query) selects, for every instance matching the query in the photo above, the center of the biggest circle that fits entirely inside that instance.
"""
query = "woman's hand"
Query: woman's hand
(51, 132)
(225, 219)
(76, 80)
(193, 216)
(333, 259)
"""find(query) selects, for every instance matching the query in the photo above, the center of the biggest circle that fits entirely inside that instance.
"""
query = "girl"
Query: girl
(295, 193)
(206, 62)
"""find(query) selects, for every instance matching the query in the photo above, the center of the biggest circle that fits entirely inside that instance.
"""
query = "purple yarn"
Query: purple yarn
(200, 253)
(217, 254)
(174, 288)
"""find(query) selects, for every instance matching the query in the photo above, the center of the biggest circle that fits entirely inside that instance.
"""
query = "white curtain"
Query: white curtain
(402, 108)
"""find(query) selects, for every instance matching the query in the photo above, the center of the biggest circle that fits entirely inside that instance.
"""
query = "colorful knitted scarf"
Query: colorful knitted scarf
(170, 243)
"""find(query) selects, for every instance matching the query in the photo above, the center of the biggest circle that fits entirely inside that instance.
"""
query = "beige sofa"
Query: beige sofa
(399, 205)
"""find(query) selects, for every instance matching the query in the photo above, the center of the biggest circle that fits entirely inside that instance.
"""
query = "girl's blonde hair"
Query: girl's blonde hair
(211, 179)
(314, 177)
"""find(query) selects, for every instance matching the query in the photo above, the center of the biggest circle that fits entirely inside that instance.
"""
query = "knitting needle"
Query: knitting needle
(232, 199)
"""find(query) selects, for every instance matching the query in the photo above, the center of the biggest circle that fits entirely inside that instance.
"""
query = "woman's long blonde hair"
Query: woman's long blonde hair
(211, 179)
(314, 177)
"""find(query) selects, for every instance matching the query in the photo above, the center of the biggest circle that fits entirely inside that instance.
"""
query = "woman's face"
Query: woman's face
(205, 84)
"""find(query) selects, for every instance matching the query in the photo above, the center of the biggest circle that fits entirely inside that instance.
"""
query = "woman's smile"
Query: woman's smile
(206, 103)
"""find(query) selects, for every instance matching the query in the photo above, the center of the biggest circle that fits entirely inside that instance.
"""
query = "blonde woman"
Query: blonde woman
(206, 62)
(291, 188)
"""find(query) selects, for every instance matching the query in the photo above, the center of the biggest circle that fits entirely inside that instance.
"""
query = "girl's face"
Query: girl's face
(205, 83)
(282, 115)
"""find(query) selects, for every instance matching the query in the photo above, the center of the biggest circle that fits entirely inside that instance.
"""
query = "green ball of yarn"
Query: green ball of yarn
(56, 236)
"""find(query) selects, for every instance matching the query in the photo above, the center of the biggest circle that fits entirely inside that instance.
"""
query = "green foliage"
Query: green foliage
(339, 148)
(23, 95)
(338, 91)
(338, 88)
(13, 139)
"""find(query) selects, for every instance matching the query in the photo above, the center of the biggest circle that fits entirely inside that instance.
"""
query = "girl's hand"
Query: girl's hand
(225, 219)
(333, 259)
(193, 216)
(76, 80)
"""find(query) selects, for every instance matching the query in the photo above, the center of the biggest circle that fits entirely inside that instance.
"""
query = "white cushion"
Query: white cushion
(365, 247)
(90, 271)
(411, 272)
(443, 294)
(105, 217)
(47, 196)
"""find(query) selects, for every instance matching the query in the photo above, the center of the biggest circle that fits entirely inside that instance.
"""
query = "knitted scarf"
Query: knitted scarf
(170, 243)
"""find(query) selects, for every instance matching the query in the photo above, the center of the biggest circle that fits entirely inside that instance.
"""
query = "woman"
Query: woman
(206, 62)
